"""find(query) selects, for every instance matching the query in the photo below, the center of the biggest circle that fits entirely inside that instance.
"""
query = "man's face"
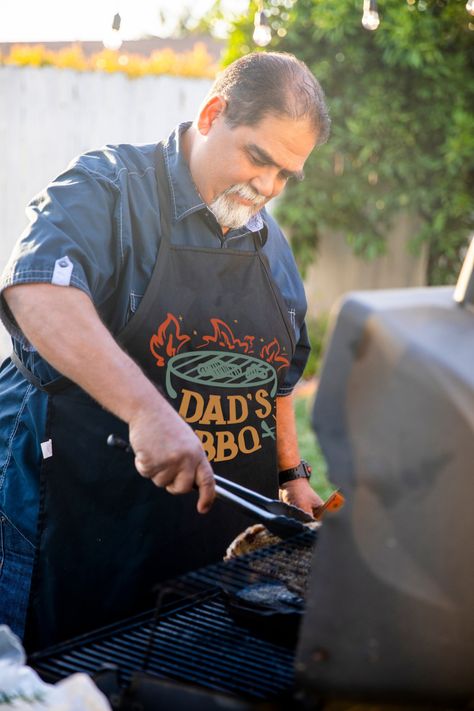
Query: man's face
(238, 170)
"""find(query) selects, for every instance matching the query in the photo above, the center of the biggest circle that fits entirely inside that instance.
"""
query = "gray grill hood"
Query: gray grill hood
(391, 600)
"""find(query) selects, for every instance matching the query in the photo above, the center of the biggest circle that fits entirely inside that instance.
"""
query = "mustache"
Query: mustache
(246, 192)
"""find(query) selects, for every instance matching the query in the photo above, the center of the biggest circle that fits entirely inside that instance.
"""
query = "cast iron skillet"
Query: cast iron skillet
(269, 610)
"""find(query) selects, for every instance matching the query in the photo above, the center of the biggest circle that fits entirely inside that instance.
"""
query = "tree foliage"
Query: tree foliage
(402, 107)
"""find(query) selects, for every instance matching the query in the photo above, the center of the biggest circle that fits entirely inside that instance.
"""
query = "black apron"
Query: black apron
(212, 331)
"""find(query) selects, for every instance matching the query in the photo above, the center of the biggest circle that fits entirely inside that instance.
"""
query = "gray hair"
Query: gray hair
(276, 83)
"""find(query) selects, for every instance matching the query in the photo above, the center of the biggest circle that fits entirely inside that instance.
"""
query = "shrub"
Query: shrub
(197, 62)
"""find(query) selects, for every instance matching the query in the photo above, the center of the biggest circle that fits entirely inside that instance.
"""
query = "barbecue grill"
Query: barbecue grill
(194, 637)
(389, 615)
(394, 415)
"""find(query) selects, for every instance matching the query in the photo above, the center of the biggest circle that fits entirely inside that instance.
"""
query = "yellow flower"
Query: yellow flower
(195, 63)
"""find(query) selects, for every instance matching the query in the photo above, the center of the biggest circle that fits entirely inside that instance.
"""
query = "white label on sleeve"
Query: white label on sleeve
(47, 449)
(62, 272)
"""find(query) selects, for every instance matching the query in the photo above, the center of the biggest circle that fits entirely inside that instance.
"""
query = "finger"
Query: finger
(302, 502)
(318, 507)
(317, 512)
(143, 465)
(206, 484)
(305, 506)
(162, 474)
(182, 483)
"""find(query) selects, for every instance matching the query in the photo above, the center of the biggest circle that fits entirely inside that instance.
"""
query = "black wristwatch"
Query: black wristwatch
(302, 471)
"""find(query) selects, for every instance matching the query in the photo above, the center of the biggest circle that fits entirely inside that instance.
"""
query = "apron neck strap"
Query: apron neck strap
(164, 193)
(258, 239)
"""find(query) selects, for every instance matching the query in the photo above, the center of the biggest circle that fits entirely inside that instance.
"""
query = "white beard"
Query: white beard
(229, 213)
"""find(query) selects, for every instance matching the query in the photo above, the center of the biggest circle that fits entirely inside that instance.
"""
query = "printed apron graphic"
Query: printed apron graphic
(222, 385)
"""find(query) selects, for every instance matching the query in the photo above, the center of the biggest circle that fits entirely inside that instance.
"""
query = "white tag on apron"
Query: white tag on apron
(62, 272)
(47, 449)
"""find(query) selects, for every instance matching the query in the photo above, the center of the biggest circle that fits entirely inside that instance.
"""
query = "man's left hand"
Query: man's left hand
(299, 493)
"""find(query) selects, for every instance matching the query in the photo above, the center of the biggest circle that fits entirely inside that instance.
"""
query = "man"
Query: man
(153, 297)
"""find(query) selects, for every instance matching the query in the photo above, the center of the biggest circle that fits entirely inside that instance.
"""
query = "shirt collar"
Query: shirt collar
(184, 195)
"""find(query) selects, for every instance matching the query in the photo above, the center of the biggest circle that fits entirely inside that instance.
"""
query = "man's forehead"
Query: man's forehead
(292, 131)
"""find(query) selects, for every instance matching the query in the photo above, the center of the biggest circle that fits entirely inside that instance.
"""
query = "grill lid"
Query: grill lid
(390, 597)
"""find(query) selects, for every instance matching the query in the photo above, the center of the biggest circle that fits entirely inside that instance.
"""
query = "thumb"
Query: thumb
(206, 485)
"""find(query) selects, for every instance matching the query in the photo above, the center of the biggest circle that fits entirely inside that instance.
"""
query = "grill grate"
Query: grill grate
(195, 639)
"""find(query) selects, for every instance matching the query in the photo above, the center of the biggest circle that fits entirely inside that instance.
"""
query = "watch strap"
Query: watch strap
(301, 471)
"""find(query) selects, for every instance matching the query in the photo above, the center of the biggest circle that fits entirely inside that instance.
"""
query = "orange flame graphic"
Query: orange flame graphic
(271, 353)
(168, 340)
(224, 337)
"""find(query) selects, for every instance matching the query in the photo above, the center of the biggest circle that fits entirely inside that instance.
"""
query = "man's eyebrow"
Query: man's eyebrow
(266, 158)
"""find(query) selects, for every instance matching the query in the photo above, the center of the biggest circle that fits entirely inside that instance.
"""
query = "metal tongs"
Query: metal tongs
(284, 520)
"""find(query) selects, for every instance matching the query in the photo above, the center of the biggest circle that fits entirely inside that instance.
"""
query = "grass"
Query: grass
(309, 448)
(317, 332)
(304, 399)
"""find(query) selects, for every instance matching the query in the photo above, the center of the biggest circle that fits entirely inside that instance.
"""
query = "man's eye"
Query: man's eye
(257, 161)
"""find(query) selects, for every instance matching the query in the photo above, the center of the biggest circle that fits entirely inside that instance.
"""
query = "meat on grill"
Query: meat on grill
(287, 566)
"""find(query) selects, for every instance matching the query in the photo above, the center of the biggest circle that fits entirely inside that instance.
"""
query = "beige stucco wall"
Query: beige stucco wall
(337, 270)
(48, 116)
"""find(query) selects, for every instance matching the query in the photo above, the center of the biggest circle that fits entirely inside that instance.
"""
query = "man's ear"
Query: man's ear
(212, 109)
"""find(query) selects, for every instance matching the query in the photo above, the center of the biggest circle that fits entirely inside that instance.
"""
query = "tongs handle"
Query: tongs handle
(114, 440)
(282, 526)
(250, 495)
(273, 506)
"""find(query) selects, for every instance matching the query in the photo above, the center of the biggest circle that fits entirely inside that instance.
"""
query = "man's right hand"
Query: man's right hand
(169, 453)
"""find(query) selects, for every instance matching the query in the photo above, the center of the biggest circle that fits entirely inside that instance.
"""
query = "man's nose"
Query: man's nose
(267, 184)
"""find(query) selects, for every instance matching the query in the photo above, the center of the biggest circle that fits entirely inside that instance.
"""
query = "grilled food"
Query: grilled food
(275, 595)
(286, 564)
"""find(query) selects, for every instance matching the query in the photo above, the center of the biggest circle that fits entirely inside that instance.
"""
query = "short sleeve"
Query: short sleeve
(298, 363)
(68, 240)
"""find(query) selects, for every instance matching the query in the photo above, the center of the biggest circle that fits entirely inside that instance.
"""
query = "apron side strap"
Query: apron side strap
(51, 387)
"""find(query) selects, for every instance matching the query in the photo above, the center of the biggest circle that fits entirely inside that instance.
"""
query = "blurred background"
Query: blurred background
(387, 203)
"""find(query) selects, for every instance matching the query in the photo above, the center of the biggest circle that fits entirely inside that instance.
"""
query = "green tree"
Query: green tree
(402, 107)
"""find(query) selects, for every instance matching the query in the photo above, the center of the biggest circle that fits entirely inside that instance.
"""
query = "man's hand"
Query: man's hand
(299, 493)
(175, 459)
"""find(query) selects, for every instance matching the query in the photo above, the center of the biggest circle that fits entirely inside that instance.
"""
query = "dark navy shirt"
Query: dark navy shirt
(97, 228)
